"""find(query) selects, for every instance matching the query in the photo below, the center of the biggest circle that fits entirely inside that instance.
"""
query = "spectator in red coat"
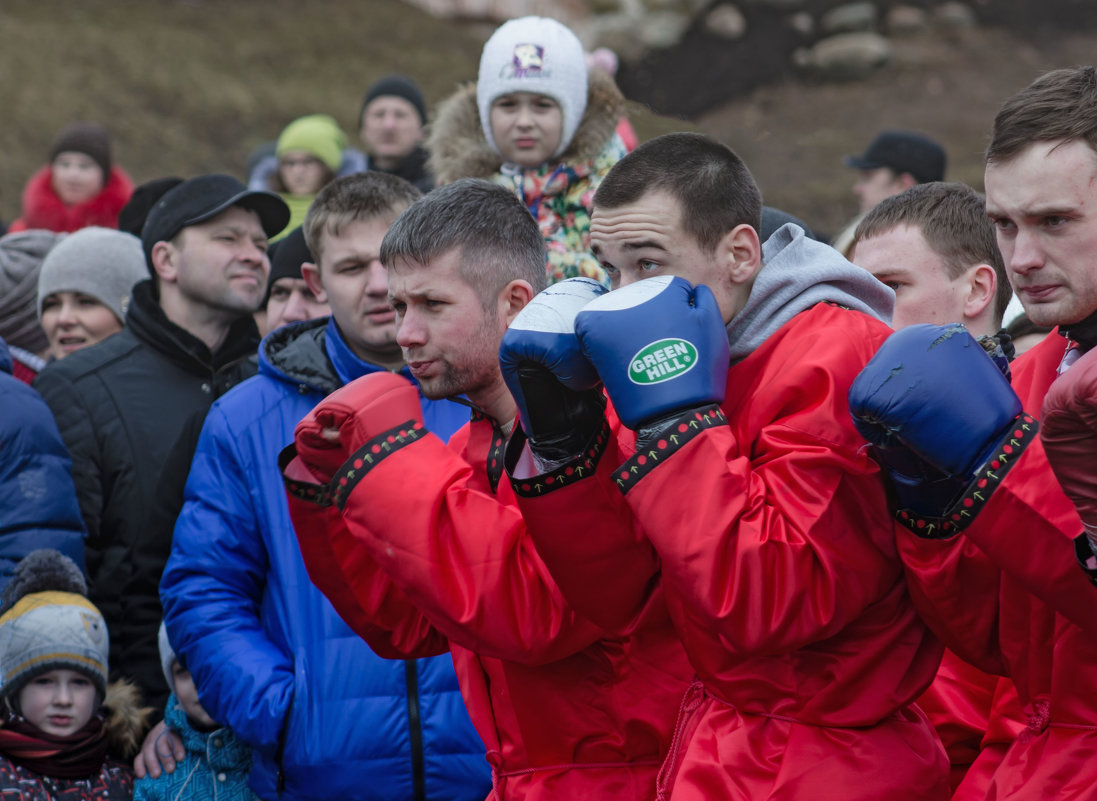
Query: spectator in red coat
(80, 186)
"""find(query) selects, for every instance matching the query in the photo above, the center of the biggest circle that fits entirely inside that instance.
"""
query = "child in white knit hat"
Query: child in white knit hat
(63, 728)
(539, 122)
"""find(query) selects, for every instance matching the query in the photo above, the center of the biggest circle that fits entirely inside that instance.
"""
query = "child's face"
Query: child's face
(59, 702)
(526, 127)
(187, 694)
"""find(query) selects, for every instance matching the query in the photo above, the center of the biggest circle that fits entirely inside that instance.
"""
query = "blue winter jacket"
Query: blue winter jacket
(272, 660)
(215, 767)
(38, 507)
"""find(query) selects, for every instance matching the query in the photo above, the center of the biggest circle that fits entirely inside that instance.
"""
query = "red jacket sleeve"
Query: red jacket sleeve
(772, 548)
(461, 554)
(371, 605)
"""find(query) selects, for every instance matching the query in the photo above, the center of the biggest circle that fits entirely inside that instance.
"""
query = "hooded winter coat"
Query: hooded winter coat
(215, 767)
(764, 524)
(43, 208)
(326, 717)
(558, 194)
(38, 507)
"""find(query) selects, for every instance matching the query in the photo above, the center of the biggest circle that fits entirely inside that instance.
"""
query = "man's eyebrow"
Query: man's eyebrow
(644, 244)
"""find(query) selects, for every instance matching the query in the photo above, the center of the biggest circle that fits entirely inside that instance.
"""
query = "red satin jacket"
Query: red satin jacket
(1009, 596)
(430, 553)
(770, 539)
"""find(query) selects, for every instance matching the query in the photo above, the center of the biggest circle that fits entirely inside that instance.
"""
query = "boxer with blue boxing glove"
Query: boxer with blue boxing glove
(660, 347)
(556, 388)
(936, 408)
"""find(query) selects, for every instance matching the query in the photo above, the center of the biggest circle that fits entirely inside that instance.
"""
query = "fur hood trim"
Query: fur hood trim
(459, 150)
(125, 719)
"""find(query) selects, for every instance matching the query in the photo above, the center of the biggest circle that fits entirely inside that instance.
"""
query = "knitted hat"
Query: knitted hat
(395, 86)
(131, 218)
(167, 656)
(286, 257)
(87, 138)
(21, 257)
(316, 134)
(49, 624)
(99, 262)
(539, 55)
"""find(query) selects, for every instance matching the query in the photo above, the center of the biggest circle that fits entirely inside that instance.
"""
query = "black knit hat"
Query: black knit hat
(396, 86)
(88, 138)
(131, 218)
(286, 257)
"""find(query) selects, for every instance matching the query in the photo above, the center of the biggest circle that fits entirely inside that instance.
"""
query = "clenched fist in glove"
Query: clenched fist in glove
(558, 392)
(660, 347)
(1068, 429)
(348, 418)
(935, 406)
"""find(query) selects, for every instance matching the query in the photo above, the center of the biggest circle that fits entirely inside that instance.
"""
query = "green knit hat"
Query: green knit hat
(317, 134)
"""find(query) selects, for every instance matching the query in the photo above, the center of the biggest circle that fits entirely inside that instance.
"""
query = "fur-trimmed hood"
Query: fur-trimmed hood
(125, 719)
(459, 150)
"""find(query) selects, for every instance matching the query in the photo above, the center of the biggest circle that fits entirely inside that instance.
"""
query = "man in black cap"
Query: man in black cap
(390, 125)
(122, 404)
(894, 161)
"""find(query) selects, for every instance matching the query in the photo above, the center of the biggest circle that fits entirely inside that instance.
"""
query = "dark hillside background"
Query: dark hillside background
(191, 86)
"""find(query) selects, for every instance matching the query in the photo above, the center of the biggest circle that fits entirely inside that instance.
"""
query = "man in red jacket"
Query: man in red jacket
(744, 502)
(421, 547)
(1007, 594)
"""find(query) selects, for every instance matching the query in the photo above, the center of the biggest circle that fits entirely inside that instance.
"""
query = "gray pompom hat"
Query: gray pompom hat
(47, 623)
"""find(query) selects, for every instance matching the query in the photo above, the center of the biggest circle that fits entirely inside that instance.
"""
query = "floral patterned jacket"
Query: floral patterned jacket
(558, 194)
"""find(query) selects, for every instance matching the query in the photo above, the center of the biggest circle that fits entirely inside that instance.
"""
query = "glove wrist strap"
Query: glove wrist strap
(985, 480)
(658, 441)
(562, 474)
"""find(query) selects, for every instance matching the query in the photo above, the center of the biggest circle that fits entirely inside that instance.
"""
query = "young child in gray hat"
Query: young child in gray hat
(216, 764)
(64, 730)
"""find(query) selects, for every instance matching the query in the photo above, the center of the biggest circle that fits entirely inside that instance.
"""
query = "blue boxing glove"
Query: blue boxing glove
(558, 392)
(660, 347)
(935, 407)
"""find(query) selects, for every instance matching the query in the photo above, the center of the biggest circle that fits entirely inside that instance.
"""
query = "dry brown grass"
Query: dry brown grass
(192, 87)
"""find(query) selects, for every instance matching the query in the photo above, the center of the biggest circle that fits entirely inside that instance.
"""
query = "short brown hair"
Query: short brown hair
(712, 185)
(498, 238)
(1060, 105)
(952, 218)
(362, 196)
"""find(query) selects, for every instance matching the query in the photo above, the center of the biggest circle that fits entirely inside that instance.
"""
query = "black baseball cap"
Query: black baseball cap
(903, 151)
(203, 198)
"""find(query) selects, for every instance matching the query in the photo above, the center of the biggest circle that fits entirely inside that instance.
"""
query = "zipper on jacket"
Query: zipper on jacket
(415, 731)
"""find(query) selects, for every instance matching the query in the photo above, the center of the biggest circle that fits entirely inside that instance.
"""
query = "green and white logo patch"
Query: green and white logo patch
(661, 361)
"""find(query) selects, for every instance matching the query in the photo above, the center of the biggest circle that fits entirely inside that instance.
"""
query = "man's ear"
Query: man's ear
(165, 262)
(741, 251)
(311, 273)
(907, 180)
(513, 298)
(982, 286)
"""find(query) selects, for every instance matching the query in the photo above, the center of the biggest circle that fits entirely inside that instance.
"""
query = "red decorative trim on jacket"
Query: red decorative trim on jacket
(370, 455)
(582, 466)
(964, 511)
(672, 439)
